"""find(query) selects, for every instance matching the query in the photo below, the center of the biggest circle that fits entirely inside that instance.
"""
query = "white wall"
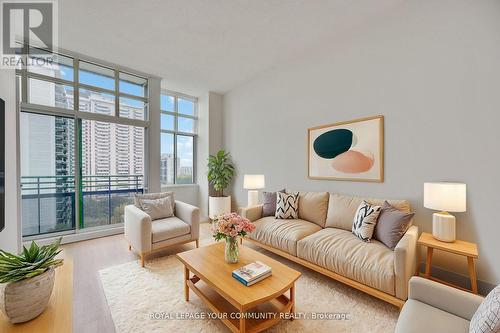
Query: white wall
(187, 193)
(209, 141)
(153, 154)
(432, 69)
(10, 238)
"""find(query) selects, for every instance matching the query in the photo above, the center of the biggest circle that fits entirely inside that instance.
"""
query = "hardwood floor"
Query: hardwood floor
(90, 309)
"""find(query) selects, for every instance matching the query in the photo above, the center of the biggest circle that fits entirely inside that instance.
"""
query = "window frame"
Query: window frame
(23, 74)
(175, 132)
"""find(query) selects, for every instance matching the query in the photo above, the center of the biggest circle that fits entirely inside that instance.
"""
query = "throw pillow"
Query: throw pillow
(269, 205)
(392, 225)
(287, 205)
(487, 317)
(365, 220)
(157, 208)
(152, 196)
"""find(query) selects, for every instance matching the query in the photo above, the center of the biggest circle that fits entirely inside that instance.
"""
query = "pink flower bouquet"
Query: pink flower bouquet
(231, 225)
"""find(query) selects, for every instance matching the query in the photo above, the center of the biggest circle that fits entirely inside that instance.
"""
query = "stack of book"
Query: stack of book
(252, 273)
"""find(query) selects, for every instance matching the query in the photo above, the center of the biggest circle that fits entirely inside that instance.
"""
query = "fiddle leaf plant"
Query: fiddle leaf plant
(220, 171)
(31, 262)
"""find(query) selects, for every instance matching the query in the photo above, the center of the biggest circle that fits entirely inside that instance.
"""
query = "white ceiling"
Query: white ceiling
(207, 45)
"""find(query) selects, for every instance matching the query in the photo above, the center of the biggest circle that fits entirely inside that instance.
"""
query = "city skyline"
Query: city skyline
(110, 154)
(107, 149)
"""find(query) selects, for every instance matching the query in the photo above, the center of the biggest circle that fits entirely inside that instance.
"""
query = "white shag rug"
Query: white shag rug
(151, 299)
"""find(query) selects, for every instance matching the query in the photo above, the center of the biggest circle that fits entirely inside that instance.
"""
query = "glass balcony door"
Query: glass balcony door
(83, 126)
(47, 173)
(112, 167)
(110, 162)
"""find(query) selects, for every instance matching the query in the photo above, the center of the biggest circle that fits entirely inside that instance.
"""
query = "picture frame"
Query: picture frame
(350, 150)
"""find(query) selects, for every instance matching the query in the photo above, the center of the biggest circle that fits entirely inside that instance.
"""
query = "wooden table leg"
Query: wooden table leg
(242, 322)
(417, 268)
(186, 287)
(292, 299)
(472, 274)
(430, 250)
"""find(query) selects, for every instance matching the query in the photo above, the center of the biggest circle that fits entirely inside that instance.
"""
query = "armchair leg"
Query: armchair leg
(197, 243)
(142, 259)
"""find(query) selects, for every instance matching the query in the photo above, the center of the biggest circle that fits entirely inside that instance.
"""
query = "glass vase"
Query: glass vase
(231, 250)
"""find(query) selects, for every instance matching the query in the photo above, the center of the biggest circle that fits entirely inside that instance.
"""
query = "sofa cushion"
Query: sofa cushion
(157, 208)
(168, 228)
(282, 234)
(365, 220)
(392, 225)
(418, 317)
(287, 205)
(313, 207)
(342, 252)
(152, 196)
(487, 317)
(342, 209)
(269, 203)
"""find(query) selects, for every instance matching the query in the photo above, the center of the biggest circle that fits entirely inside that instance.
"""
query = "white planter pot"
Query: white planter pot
(218, 206)
(26, 299)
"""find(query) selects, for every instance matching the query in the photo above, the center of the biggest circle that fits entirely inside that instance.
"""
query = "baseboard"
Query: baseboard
(461, 280)
(77, 237)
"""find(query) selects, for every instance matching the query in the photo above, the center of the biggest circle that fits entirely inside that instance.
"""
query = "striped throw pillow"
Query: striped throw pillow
(287, 205)
(365, 220)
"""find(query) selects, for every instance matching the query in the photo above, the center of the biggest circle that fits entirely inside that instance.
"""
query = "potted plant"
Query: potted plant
(230, 226)
(220, 174)
(27, 280)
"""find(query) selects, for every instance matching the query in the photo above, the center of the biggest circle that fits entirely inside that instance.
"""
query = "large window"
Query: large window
(82, 130)
(178, 138)
(48, 173)
(100, 89)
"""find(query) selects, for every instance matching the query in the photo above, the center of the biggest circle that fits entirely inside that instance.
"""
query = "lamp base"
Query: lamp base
(443, 227)
(253, 198)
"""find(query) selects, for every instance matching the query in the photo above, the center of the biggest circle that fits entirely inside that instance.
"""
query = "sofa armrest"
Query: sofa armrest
(405, 261)
(189, 214)
(137, 229)
(252, 213)
(452, 300)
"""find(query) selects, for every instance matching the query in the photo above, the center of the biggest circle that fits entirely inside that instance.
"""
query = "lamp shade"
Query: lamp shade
(253, 182)
(444, 196)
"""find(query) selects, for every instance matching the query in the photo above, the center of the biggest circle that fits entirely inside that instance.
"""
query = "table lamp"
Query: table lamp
(445, 197)
(253, 183)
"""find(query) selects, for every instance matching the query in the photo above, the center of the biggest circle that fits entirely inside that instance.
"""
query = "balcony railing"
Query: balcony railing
(49, 202)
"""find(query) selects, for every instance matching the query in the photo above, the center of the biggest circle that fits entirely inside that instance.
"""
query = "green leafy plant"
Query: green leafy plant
(31, 262)
(220, 171)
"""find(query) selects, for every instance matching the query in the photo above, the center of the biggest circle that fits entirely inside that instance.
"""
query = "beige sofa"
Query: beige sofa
(321, 239)
(444, 308)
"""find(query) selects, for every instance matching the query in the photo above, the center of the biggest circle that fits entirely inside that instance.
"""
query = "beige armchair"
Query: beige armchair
(146, 236)
(435, 307)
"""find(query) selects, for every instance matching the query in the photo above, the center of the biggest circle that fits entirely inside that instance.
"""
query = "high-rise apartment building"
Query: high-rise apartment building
(109, 148)
(167, 170)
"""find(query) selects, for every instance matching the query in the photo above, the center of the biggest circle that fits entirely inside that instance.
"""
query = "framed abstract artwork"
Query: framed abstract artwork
(350, 150)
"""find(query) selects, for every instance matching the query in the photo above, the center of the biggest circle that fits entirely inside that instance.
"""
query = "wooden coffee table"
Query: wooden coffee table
(239, 307)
